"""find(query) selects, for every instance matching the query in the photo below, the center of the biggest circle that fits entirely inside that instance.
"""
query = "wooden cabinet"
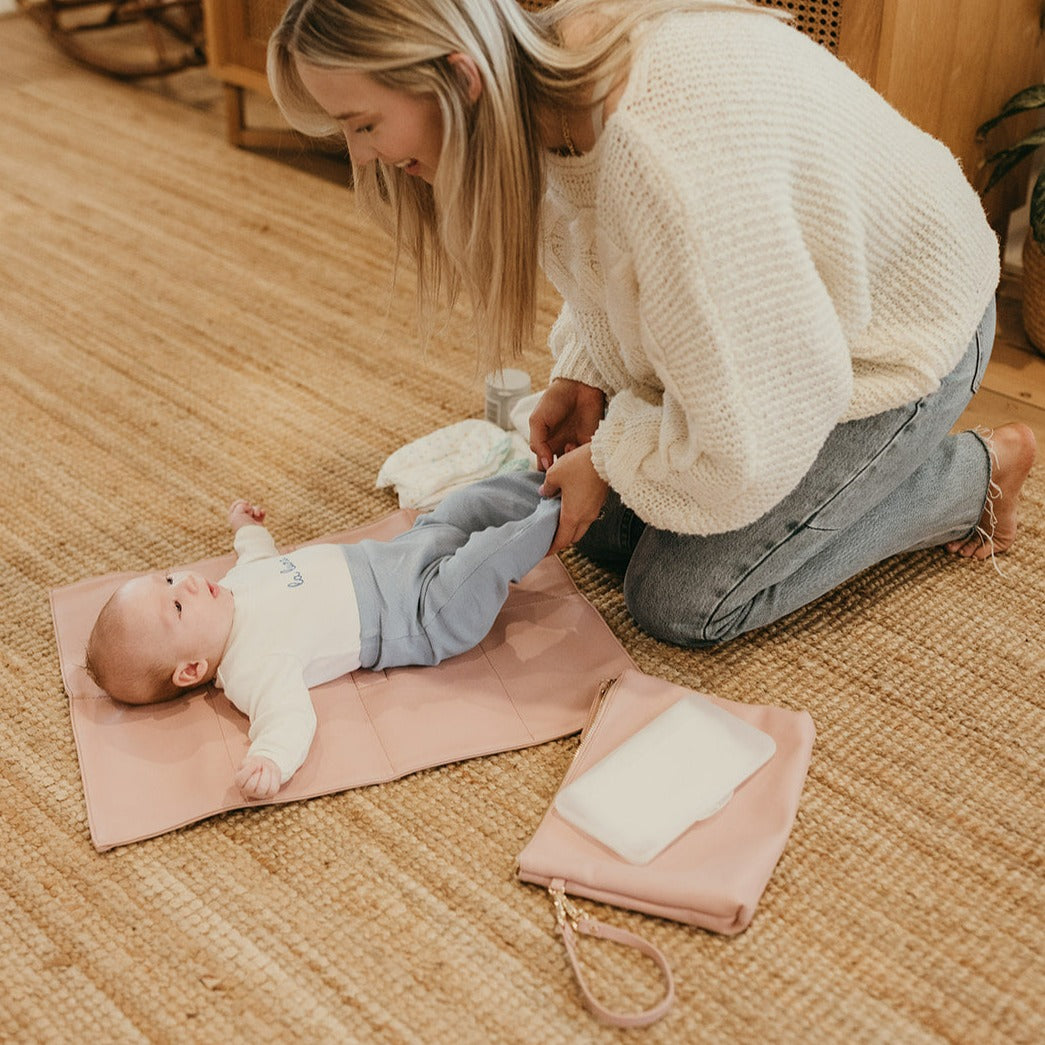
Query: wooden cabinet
(945, 64)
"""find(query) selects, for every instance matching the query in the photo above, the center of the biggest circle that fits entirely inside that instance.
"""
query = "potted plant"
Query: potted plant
(1003, 161)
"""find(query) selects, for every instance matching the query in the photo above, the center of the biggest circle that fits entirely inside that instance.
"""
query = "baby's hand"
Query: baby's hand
(243, 513)
(258, 777)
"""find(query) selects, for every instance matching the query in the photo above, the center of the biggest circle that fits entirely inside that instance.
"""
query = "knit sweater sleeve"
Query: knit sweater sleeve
(749, 370)
(572, 360)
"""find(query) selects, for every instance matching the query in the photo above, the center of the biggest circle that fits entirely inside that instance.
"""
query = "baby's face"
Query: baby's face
(181, 616)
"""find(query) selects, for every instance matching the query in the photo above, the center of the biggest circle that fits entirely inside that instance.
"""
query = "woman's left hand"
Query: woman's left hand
(583, 493)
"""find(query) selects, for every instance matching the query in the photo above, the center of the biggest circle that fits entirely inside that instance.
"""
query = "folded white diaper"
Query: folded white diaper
(424, 471)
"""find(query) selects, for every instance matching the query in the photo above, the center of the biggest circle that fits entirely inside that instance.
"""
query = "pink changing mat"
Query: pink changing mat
(149, 770)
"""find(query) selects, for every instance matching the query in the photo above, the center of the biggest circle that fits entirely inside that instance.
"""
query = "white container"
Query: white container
(504, 388)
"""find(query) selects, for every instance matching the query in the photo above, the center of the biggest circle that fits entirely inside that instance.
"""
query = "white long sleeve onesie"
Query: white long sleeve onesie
(295, 624)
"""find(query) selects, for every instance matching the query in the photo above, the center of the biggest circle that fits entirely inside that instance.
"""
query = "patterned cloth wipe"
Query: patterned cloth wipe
(424, 471)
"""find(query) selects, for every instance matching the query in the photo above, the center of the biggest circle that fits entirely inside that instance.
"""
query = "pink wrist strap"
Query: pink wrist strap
(571, 920)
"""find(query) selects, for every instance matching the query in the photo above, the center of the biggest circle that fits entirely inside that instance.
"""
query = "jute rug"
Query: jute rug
(181, 324)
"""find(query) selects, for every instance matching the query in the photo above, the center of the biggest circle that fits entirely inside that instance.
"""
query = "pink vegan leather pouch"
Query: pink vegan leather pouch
(148, 770)
(712, 876)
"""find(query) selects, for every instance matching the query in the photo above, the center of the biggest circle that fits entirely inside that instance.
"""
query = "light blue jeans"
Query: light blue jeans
(434, 591)
(881, 485)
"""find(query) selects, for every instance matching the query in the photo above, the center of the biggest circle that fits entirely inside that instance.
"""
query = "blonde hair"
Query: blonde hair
(116, 660)
(475, 227)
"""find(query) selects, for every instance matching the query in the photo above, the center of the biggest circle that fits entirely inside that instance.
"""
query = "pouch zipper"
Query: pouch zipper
(606, 686)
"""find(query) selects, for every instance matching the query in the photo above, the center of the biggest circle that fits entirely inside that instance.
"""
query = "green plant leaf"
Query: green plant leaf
(1023, 101)
(1004, 160)
(1037, 209)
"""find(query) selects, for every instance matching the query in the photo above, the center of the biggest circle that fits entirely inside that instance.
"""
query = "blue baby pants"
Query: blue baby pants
(434, 591)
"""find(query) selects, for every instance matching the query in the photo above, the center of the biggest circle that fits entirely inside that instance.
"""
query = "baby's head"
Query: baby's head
(159, 635)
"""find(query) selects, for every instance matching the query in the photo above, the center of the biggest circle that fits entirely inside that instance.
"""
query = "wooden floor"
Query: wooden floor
(1013, 389)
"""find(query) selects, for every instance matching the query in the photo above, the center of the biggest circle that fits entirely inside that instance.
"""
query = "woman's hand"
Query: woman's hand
(565, 417)
(583, 493)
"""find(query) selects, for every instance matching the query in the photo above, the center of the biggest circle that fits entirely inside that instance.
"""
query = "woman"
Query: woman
(778, 294)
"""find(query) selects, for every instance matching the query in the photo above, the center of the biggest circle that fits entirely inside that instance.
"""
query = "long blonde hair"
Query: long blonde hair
(476, 226)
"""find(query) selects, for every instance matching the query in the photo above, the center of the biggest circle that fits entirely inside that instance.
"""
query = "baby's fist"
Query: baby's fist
(243, 513)
(258, 777)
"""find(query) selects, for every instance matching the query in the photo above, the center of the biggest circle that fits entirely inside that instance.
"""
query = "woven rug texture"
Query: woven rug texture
(183, 323)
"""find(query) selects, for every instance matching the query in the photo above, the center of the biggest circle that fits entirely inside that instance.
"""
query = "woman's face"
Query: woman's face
(379, 123)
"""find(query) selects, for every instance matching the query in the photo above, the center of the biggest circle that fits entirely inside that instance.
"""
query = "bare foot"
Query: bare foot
(1012, 453)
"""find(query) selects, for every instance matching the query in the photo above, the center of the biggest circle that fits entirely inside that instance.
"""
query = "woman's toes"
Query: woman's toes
(1012, 449)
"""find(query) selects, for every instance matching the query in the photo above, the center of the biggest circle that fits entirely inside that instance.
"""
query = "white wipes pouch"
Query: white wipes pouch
(681, 767)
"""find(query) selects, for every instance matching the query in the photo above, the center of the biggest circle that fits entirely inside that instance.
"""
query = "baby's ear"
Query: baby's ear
(190, 674)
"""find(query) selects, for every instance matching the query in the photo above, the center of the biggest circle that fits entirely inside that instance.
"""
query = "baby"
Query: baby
(275, 625)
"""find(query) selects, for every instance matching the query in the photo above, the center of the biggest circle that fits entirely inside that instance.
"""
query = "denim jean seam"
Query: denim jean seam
(974, 385)
(982, 440)
(806, 524)
(979, 370)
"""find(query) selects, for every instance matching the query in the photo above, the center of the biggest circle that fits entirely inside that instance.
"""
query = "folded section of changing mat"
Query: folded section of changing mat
(149, 770)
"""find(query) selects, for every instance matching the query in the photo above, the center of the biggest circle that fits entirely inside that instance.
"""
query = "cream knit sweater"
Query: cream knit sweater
(757, 248)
